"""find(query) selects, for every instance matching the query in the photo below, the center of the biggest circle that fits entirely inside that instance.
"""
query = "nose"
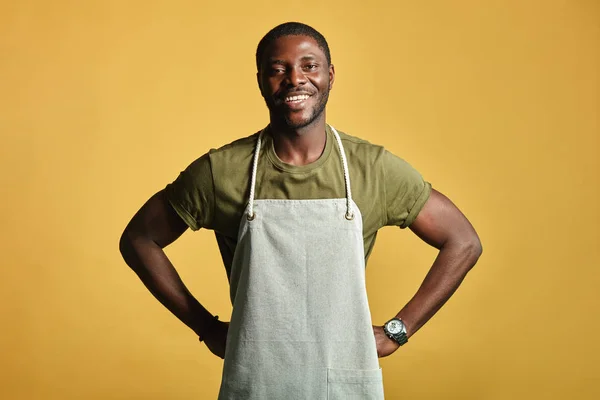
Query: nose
(295, 77)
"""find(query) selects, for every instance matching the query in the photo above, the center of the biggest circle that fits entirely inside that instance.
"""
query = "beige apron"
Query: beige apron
(301, 325)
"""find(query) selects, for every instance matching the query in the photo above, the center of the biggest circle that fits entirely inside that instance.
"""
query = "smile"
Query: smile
(296, 99)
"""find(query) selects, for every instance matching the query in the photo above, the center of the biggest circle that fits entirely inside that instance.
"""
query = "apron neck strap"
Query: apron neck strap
(349, 213)
(250, 214)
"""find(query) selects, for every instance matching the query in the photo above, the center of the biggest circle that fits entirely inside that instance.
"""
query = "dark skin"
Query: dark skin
(152, 228)
(295, 66)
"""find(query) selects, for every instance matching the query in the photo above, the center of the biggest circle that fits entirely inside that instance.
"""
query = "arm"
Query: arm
(440, 224)
(153, 227)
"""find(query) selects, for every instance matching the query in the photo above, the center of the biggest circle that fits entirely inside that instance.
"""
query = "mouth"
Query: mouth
(296, 101)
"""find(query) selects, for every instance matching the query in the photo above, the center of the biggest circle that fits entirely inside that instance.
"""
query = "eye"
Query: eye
(277, 70)
(310, 67)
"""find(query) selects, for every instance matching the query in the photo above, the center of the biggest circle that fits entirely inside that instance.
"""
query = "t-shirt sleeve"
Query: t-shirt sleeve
(405, 191)
(192, 194)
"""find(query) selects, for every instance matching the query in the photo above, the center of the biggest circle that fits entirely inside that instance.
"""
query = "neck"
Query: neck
(300, 146)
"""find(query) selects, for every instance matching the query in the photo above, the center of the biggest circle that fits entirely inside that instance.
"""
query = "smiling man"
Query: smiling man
(296, 208)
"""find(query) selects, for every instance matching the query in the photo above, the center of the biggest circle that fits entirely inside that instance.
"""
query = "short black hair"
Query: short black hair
(291, 29)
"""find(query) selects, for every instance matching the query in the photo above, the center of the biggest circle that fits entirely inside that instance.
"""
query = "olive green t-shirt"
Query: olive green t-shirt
(212, 192)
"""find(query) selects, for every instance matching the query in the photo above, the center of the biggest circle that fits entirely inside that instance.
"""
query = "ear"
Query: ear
(331, 76)
(259, 84)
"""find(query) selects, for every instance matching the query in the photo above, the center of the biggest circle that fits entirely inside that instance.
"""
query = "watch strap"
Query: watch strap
(399, 337)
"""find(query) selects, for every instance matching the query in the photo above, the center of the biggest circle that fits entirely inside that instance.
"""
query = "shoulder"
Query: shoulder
(238, 151)
(238, 145)
(361, 153)
(355, 141)
(201, 168)
(360, 150)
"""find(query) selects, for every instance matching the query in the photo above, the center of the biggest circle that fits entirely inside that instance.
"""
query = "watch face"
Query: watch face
(394, 327)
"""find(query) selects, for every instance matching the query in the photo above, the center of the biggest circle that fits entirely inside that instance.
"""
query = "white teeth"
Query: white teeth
(297, 98)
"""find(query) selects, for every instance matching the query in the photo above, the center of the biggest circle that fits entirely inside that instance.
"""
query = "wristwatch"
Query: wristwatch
(396, 330)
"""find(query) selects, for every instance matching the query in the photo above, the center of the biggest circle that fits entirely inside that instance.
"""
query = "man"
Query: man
(296, 208)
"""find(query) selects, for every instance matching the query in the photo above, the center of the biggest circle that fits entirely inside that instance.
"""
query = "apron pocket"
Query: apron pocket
(345, 384)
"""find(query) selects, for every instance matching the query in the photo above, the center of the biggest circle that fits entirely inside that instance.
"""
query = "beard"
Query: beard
(284, 119)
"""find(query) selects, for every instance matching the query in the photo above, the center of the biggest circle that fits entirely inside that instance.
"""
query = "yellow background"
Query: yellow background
(102, 103)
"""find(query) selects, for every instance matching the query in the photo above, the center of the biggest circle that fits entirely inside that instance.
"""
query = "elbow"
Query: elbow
(126, 247)
(135, 249)
(473, 250)
(124, 243)
(466, 249)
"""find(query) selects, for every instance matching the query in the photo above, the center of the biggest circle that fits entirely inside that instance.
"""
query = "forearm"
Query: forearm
(446, 274)
(152, 266)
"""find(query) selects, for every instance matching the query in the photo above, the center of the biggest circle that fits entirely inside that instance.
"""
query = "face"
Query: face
(295, 80)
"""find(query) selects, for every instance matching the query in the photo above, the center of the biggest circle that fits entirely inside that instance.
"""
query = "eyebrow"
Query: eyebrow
(282, 62)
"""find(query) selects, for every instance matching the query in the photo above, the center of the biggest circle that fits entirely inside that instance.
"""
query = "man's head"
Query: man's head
(295, 74)
(291, 29)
